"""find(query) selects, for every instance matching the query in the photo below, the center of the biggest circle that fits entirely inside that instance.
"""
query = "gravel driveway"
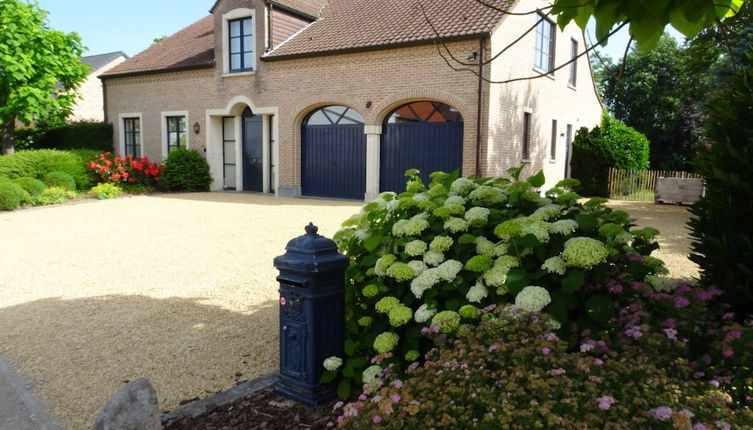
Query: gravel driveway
(178, 289)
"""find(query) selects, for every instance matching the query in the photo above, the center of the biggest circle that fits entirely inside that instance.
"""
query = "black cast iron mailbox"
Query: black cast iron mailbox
(312, 314)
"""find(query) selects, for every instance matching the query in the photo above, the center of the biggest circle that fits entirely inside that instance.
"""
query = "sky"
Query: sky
(129, 26)
(109, 25)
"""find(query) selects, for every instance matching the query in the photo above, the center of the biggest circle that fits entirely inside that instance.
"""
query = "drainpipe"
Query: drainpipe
(480, 107)
(270, 9)
(104, 98)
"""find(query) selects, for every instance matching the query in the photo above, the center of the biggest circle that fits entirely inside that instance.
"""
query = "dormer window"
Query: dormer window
(241, 45)
(238, 42)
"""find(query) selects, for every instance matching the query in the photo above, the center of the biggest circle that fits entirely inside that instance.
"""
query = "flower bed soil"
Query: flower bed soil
(263, 409)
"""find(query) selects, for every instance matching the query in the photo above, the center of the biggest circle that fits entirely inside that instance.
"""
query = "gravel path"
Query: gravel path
(178, 289)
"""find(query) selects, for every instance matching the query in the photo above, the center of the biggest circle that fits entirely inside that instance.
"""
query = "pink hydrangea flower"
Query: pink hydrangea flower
(545, 350)
(681, 302)
(662, 413)
(605, 402)
(598, 362)
(728, 352)
(377, 419)
(728, 315)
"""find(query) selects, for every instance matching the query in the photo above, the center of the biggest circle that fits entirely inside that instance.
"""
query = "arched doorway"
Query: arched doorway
(423, 135)
(333, 153)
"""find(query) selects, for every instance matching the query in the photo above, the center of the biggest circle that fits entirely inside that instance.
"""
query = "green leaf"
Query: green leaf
(350, 347)
(373, 242)
(679, 21)
(368, 261)
(529, 241)
(514, 172)
(537, 180)
(574, 281)
(600, 308)
(517, 279)
(557, 311)
(343, 389)
(587, 223)
(567, 300)
(328, 376)
(466, 239)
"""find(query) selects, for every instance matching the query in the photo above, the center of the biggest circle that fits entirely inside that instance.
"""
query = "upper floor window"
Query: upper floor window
(544, 49)
(176, 132)
(574, 64)
(241, 44)
(132, 136)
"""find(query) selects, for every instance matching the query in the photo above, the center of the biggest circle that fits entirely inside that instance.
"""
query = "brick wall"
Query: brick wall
(90, 106)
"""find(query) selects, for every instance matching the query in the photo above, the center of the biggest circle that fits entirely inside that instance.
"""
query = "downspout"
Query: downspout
(270, 9)
(104, 99)
(480, 107)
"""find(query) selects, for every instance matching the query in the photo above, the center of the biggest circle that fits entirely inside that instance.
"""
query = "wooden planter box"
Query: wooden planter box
(678, 190)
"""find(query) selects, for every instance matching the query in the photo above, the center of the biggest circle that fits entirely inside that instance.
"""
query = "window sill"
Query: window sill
(552, 161)
(545, 73)
(526, 161)
(572, 87)
(233, 74)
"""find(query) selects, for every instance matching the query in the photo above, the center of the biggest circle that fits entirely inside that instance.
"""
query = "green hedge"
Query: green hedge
(39, 163)
(95, 136)
(610, 144)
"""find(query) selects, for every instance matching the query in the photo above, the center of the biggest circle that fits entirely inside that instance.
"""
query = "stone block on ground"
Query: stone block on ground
(133, 407)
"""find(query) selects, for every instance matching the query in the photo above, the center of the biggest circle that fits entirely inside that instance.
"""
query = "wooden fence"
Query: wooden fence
(639, 185)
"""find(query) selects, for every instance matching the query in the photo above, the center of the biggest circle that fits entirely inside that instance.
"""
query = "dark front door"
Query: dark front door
(253, 163)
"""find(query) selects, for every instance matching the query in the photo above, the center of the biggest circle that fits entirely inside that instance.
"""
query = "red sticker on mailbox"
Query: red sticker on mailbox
(282, 301)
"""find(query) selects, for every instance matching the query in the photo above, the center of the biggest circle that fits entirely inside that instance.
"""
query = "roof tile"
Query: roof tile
(190, 48)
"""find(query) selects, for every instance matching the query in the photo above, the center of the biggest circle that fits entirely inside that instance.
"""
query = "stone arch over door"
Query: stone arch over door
(425, 135)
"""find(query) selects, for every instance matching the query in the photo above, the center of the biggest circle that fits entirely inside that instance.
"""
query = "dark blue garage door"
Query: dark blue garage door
(427, 136)
(333, 156)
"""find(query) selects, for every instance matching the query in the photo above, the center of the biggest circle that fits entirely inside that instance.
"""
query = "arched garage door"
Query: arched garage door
(333, 156)
(424, 135)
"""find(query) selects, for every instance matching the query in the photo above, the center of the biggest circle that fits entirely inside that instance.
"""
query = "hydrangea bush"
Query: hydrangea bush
(514, 371)
(438, 254)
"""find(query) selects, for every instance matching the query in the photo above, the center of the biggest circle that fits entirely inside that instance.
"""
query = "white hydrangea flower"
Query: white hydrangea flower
(477, 293)
(496, 276)
(555, 265)
(441, 243)
(500, 249)
(332, 363)
(423, 313)
(533, 299)
(424, 281)
(415, 247)
(584, 252)
(455, 225)
(484, 246)
(387, 195)
(540, 229)
(507, 262)
(362, 234)
(563, 226)
(398, 229)
(546, 212)
(433, 258)
(420, 197)
(418, 266)
(477, 215)
(454, 200)
(462, 186)
(392, 205)
(623, 237)
(415, 226)
(369, 375)
(449, 270)
(486, 195)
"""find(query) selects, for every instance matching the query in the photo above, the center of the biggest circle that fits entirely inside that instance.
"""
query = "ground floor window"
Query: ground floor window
(132, 135)
(176, 132)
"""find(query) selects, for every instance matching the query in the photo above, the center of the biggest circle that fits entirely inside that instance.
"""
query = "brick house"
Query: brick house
(89, 106)
(338, 98)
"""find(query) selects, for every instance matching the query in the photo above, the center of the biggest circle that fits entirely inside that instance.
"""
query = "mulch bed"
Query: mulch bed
(263, 409)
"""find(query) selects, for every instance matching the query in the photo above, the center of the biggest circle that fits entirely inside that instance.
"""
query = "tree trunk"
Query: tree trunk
(8, 130)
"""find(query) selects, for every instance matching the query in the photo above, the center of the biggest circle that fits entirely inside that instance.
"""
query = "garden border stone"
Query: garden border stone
(199, 407)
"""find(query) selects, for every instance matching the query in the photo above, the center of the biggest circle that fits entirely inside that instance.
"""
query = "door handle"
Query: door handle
(252, 160)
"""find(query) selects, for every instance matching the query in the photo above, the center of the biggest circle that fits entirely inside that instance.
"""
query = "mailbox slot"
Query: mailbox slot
(289, 280)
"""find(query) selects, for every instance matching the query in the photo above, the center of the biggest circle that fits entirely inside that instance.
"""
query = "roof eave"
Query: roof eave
(156, 71)
(379, 47)
(290, 10)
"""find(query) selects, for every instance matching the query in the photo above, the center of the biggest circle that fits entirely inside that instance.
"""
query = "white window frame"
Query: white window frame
(234, 14)
(572, 78)
(552, 44)
(121, 135)
(163, 119)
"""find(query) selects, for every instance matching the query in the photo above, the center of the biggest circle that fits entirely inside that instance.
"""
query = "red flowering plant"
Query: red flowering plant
(128, 170)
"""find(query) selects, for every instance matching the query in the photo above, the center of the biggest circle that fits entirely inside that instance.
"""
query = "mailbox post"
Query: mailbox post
(312, 315)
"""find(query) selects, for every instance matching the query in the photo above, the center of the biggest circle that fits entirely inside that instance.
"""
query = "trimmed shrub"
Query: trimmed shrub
(610, 144)
(12, 195)
(722, 229)
(186, 170)
(437, 254)
(33, 186)
(60, 179)
(96, 136)
(54, 195)
(106, 190)
(38, 163)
